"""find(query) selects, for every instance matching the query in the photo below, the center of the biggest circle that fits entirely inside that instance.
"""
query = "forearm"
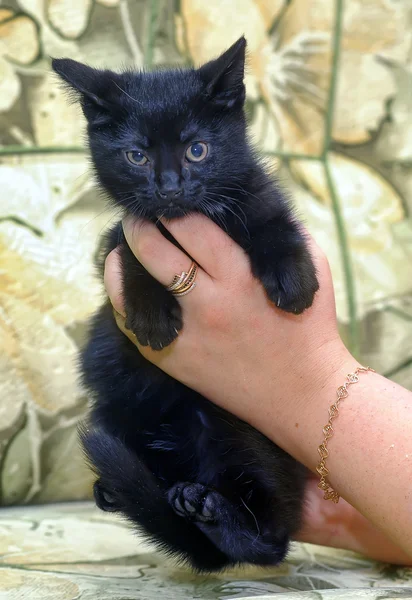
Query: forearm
(370, 454)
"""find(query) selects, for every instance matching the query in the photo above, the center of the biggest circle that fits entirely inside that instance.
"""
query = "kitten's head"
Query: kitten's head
(165, 142)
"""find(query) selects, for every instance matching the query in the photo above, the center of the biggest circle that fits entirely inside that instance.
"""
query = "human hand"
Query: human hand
(236, 347)
(266, 366)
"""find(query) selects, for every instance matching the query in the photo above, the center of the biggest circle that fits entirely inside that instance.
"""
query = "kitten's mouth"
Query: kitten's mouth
(172, 211)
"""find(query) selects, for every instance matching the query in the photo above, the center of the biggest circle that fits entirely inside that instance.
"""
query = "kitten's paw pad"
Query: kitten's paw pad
(158, 331)
(194, 501)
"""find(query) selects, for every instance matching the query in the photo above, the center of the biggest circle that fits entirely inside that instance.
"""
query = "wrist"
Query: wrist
(328, 371)
(308, 388)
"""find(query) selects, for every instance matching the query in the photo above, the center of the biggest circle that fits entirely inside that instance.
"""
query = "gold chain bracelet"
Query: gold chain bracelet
(341, 393)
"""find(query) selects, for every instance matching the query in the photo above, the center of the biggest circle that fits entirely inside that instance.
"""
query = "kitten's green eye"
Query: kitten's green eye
(136, 158)
(196, 152)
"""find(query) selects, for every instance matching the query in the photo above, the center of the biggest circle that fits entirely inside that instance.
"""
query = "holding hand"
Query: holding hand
(275, 370)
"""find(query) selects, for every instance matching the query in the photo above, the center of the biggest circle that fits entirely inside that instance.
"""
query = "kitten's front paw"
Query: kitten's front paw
(156, 329)
(292, 285)
(194, 501)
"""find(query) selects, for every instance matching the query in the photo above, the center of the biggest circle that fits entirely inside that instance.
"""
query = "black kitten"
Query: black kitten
(201, 483)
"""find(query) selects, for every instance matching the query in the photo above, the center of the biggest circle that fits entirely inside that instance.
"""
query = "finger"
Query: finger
(209, 245)
(318, 256)
(341, 526)
(326, 301)
(113, 281)
(159, 256)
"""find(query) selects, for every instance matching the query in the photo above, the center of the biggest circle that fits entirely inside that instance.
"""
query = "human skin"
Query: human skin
(280, 372)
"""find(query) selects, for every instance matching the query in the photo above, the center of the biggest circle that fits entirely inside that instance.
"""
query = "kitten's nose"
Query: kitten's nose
(169, 186)
(169, 194)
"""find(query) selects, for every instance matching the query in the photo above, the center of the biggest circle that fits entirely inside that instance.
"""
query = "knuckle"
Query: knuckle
(240, 279)
(145, 244)
(245, 280)
(112, 281)
(229, 251)
(117, 302)
(217, 317)
(139, 238)
(236, 266)
(317, 252)
(111, 262)
(321, 261)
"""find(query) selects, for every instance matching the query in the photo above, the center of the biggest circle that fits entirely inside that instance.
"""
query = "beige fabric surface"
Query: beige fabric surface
(75, 552)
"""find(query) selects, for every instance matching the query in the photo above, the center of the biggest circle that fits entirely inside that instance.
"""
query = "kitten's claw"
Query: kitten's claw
(189, 507)
(194, 501)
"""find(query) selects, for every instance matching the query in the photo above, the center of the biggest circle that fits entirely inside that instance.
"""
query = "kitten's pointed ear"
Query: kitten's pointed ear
(93, 87)
(224, 76)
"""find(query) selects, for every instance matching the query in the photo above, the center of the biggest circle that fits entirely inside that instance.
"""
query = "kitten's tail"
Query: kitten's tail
(120, 472)
(137, 494)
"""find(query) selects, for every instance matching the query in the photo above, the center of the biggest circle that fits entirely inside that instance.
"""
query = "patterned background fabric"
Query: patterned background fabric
(330, 103)
(75, 552)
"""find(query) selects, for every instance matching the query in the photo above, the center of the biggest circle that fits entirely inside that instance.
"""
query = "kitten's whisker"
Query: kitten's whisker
(244, 215)
(228, 208)
(253, 515)
(212, 212)
(236, 200)
(114, 215)
(240, 189)
(136, 208)
(232, 200)
(240, 219)
(159, 217)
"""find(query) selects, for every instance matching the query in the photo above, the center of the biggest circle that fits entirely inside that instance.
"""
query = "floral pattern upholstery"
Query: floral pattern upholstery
(329, 103)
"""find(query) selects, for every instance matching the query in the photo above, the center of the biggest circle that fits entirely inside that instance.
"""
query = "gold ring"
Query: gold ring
(184, 283)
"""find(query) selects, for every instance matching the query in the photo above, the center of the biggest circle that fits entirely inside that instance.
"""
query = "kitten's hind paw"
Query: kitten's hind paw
(194, 501)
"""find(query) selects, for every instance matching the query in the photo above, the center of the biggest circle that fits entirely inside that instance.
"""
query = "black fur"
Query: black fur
(204, 485)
